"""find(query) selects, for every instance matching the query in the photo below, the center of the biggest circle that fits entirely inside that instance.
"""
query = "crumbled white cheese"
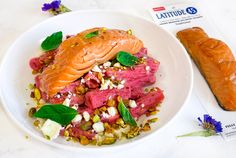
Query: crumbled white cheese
(86, 116)
(100, 66)
(132, 103)
(58, 96)
(142, 105)
(120, 86)
(77, 118)
(98, 127)
(74, 107)
(148, 68)
(107, 64)
(105, 115)
(51, 129)
(96, 69)
(105, 84)
(111, 85)
(122, 82)
(111, 111)
(82, 80)
(117, 65)
(112, 77)
(66, 102)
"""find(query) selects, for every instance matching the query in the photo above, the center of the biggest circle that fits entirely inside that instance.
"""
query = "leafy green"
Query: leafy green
(52, 42)
(91, 34)
(56, 112)
(125, 114)
(126, 59)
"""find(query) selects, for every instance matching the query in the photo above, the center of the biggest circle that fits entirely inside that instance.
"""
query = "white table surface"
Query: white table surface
(16, 16)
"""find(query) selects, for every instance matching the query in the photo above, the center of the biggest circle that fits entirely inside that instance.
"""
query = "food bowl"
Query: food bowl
(174, 76)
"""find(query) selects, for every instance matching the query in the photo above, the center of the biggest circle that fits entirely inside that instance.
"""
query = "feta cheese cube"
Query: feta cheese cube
(66, 102)
(107, 64)
(98, 127)
(117, 65)
(96, 69)
(132, 104)
(77, 118)
(142, 105)
(51, 129)
(120, 86)
(105, 84)
(86, 116)
(105, 115)
(148, 68)
(112, 111)
(122, 82)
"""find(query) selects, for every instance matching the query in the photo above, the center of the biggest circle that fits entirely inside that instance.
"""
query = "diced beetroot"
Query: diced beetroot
(91, 80)
(110, 119)
(136, 93)
(77, 99)
(97, 98)
(71, 87)
(139, 76)
(149, 100)
(141, 53)
(83, 108)
(39, 63)
(76, 132)
(35, 64)
(37, 81)
(56, 100)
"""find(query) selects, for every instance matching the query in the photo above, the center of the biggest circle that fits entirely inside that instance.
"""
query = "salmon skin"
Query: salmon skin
(78, 55)
(216, 63)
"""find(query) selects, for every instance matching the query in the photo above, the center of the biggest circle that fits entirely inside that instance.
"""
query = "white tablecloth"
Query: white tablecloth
(16, 16)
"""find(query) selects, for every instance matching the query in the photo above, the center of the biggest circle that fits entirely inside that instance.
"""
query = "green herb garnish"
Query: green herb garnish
(126, 59)
(125, 114)
(56, 112)
(52, 42)
(91, 34)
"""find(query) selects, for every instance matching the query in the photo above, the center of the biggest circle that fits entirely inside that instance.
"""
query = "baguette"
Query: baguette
(216, 63)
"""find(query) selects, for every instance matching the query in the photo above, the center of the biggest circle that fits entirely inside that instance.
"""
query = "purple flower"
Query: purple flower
(210, 124)
(54, 5)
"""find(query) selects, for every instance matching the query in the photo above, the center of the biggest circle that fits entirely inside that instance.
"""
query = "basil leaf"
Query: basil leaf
(125, 114)
(91, 34)
(56, 112)
(52, 42)
(126, 59)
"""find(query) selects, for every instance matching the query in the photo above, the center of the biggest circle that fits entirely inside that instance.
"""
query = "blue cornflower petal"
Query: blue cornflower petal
(55, 4)
(199, 119)
(215, 124)
(46, 6)
(207, 118)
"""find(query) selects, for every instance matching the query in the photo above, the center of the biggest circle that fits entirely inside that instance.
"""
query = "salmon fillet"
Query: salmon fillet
(78, 55)
(215, 61)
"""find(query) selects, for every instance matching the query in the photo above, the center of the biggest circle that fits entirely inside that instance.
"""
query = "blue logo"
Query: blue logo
(191, 10)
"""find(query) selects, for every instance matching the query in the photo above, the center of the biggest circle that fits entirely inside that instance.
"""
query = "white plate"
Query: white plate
(174, 76)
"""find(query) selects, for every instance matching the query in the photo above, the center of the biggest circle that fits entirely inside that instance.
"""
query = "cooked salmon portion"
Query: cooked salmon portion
(78, 55)
(215, 61)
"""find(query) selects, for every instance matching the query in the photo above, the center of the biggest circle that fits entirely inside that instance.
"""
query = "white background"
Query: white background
(16, 16)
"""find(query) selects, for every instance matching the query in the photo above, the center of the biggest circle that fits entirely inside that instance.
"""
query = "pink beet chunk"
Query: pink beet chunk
(97, 98)
(149, 100)
(139, 76)
(41, 62)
